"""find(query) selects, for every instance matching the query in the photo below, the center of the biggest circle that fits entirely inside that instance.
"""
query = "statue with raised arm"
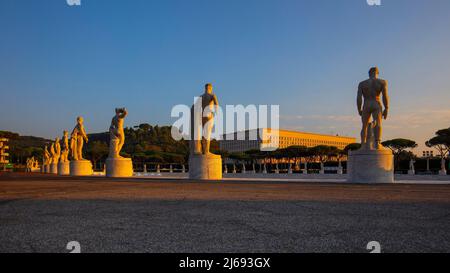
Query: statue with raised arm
(202, 120)
(78, 137)
(116, 165)
(117, 135)
(369, 105)
(47, 156)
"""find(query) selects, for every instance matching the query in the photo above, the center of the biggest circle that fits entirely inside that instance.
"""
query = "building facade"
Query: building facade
(269, 139)
(4, 152)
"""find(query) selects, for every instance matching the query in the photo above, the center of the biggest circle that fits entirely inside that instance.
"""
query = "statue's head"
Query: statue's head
(208, 88)
(57, 139)
(65, 133)
(120, 110)
(80, 120)
(374, 72)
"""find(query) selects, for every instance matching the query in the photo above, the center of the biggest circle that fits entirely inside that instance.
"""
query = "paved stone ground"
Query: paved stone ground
(42, 213)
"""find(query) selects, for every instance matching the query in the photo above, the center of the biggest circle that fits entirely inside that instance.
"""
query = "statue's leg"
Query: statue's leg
(377, 116)
(198, 137)
(80, 148)
(207, 133)
(72, 148)
(120, 143)
(365, 124)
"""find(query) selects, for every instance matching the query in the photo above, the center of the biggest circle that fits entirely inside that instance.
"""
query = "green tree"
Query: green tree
(440, 142)
(324, 152)
(352, 147)
(97, 150)
(399, 145)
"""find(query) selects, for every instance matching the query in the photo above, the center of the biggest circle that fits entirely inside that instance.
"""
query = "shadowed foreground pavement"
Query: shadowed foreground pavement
(41, 213)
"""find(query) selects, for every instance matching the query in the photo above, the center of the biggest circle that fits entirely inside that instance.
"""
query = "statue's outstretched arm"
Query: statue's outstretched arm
(216, 103)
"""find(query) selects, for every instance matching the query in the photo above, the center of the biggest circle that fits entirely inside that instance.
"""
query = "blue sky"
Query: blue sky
(59, 61)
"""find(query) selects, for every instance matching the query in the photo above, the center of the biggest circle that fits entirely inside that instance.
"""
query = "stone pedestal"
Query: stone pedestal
(81, 168)
(371, 166)
(119, 167)
(411, 172)
(340, 170)
(442, 172)
(54, 168)
(64, 168)
(205, 167)
(46, 168)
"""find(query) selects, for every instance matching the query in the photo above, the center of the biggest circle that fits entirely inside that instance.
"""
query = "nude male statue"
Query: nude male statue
(65, 147)
(77, 137)
(370, 90)
(117, 135)
(52, 153)
(57, 149)
(46, 159)
(209, 104)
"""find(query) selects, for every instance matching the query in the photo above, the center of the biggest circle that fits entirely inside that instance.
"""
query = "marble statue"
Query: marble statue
(52, 152)
(202, 120)
(411, 164)
(46, 160)
(372, 163)
(370, 91)
(65, 147)
(35, 163)
(57, 151)
(28, 165)
(78, 165)
(116, 165)
(412, 170)
(47, 156)
(204, 165)
(64, 164)
(117, 135)
(78, 137)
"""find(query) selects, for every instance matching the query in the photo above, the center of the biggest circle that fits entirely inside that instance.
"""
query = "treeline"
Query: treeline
(23, 147)
(154, 144)
(143, 143)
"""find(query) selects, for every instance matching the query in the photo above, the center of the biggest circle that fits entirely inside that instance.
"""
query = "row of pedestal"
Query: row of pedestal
(115, 167)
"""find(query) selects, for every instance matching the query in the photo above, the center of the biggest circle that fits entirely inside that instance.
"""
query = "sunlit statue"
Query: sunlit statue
(117, 135)
(78, 165)
(29, 163)
(65, 147)
(78, 137)
(204, 165)
(56, 151)
(372, 163)
(116, 165)
(47, 156)
(202, 120)
(64, 164)
(369, 105)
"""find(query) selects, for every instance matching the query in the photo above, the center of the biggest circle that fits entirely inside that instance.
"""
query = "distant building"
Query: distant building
(268, 139)
(4, 152)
